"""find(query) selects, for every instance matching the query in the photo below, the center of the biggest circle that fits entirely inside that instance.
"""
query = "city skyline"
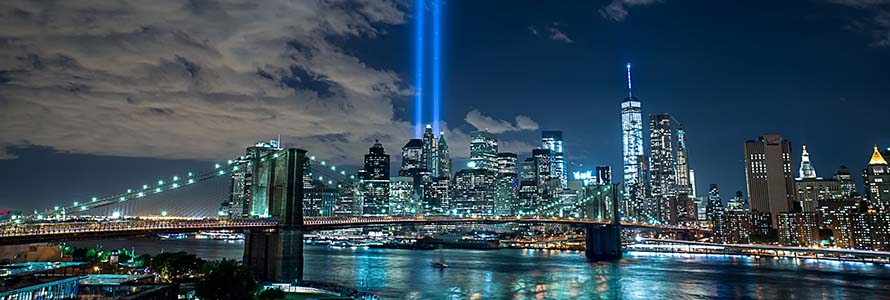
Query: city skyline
(593, 141)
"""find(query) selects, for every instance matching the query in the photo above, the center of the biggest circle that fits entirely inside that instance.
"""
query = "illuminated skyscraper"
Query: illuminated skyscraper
(715, 203)
(768, 169)
(443, 167)
(430, 151)
(376, 163)
(552, 140)
(507, 185)
(632, 139)
(877, 182)
(684, 182)
(662, 174)
(375, 181)
(412, 157)
(484, 151)
(806, 168)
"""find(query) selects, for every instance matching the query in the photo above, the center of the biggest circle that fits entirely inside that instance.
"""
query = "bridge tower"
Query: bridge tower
(603, 241)
(276, 255)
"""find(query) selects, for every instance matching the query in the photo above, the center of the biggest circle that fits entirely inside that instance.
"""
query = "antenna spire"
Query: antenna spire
(630, 92)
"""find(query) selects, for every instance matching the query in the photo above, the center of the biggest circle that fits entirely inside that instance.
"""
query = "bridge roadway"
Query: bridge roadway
(83, 230)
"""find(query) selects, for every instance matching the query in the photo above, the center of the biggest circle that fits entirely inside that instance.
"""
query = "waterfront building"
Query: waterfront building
(632, 143)
(662, 176)
(871, 231)
(876, 177)
(798, 229)
(732, 227)
(552, 140)
(484, 151)
(473, 192)
(769, 177)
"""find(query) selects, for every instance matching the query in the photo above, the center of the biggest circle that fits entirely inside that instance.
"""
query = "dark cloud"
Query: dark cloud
(617, 10)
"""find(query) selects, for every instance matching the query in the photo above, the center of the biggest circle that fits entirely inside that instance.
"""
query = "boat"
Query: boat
(441, 263)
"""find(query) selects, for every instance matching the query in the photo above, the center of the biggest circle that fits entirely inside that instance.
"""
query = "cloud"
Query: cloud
(552, 32)
(483, 122)
(198, 80)
(877, 23)
(617, 10)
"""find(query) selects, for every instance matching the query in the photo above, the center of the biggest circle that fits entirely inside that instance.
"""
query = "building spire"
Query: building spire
(877, 158)
(806, 168)
(629, 89)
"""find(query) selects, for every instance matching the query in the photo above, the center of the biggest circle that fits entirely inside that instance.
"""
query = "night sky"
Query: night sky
(99, 97)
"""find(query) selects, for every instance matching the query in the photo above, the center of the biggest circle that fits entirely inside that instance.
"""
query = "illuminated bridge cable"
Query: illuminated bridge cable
(160, 186)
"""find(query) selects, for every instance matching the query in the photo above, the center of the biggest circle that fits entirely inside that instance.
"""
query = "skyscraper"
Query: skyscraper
(806, 168)
(661, 157)
(770, 179)
(430, 153)
(684, 183)
(552, 140)
(412, 157)
(662, 170)
(376, 163)
(375, 181)
(715, 204)
(484, 151)
(443, 167)
(507, 185)
(632, 140)
(877, 182)
(843, 175)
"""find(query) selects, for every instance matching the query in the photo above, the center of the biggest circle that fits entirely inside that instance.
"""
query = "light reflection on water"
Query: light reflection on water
(530, 274)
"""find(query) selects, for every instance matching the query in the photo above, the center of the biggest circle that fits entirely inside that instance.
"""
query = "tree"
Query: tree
(176, 267)
(226, 279)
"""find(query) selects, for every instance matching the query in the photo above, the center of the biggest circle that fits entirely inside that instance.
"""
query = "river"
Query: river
(537, 274)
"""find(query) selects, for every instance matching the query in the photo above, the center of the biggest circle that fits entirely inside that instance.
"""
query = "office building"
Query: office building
(632, 142)
(798, 229)
(374, 181)
(684, 174)
(507, 185)
(483, 151)
(768, 164)
(443, 167)
(320, 201)
(715, 203)
(473, 192)
(412, 158)
(552, 140)
(662, 176)
(401, 196)
(876, 177)
(240, 202)
(845, 178)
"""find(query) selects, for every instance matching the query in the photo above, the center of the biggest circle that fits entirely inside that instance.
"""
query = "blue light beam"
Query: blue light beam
(437, 64)
(418, 68)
